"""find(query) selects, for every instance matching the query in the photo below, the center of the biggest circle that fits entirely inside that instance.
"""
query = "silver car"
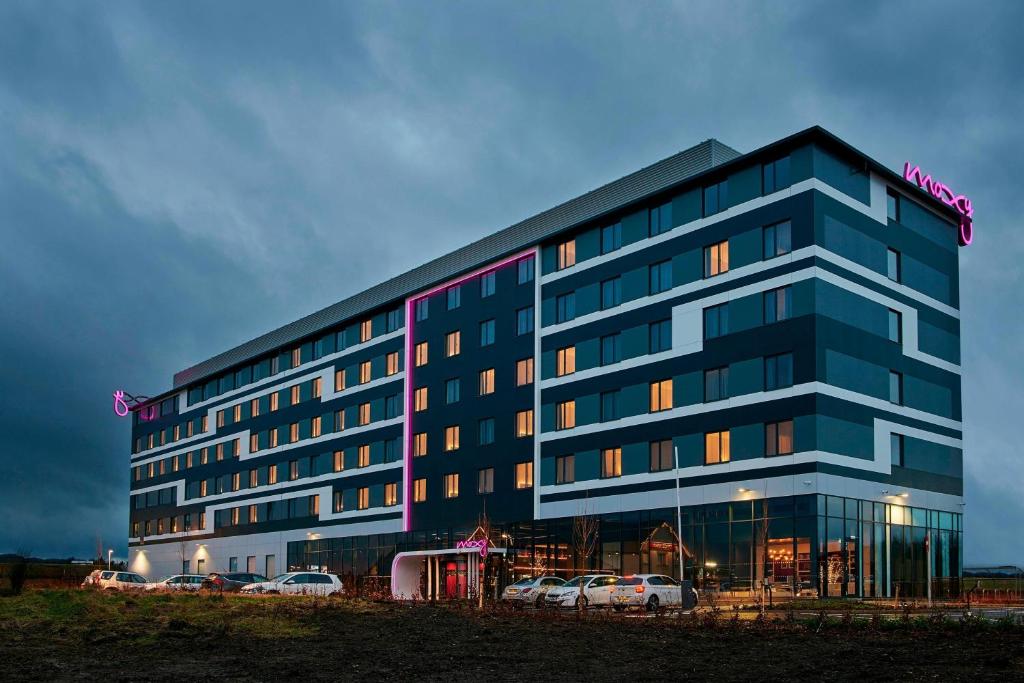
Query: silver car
(530, 591)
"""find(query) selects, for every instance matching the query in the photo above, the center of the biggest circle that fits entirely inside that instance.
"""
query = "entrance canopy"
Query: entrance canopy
(407, 567)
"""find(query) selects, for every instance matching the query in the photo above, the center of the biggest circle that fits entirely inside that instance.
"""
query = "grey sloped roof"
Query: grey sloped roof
(633, 187)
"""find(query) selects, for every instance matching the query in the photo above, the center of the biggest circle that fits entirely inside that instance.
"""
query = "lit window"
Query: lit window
(236, 481)
(524, 372)
(339, 501)
(778, 438)
(366, 330)
(254, 478)
(293, 470)
(565, 361)
(716, 384)
(149, 442)
(363, 498)
(454, 297)
(220, 452)
(339, 380)
(296, 395)
(451, 438)
(487, 381)
(524, 423)
(421, 354)
(485, 481)
(293, 432)
(273, 437)
(452, 344)
(565, 415)
(451, 485)
(487, 282)
(392, 363)
(778, 305)
(611, 463)
(777, 240)
(661, 455)
(363, 459)
(525, 269)
(419, 444)
(661, 395)
(190, 429)
(204, 457)
(419, 490)
(390, 494)
(339, 461)
(566, 254)
(364, 414)
(272, 474)
(716, 447)
(177, 428)
(236, 447)
(274, 400)
(220, 418)
(317, 387)
(420, 399)
(524, 475)
(565, 469)
(452, 390)
(775, 175)
(365, 372)
(254, 409)
(716, 259)
(315, 427)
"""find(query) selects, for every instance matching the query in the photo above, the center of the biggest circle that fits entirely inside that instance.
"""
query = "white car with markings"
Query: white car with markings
(530, 591)
(652, 592)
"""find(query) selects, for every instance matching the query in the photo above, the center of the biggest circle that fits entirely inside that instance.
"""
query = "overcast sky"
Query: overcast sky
(179, 177)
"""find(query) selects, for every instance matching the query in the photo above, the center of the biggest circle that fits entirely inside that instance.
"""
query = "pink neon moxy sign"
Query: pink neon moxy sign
(941, 191)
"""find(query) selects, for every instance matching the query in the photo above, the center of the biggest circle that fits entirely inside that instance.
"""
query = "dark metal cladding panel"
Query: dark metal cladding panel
(527, 233)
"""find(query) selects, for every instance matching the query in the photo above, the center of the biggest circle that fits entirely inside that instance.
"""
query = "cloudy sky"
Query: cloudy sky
(176, 178)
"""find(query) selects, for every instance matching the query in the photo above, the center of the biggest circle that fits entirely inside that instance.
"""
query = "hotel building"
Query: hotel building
(770, 340)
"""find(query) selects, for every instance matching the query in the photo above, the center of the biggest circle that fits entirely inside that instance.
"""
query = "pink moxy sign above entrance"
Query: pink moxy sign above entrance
(941, 191)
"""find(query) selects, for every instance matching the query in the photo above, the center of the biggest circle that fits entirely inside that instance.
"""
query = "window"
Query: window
(778, 371)
(452, 389)
(485, 431)
(421, 353)
(487, 333)
(363, 501)
(566, 254)
(778, 438)
(661, 455)
(364, 414)
(390, 494)
(716, 198)
(660, 277)
(485, 481)
(339, 382)
(895, 270)
(565, 307)
(419, 444)
(716, 447)
(394, 320)
(892, 206)
(420, 399)
(339, 502)
(524, 320)
(775, 175)
(611, 349)
(272, 474)
(422, 309)
(366, 330)
(716, 384)
(661, 395)
(339, 461)
(451, 438)
(339, 420)
(297, 357)
(565, 414)
(777, 240)
(716, 259)
(896, 449)
(896, 387)
(524, 475)
(220, 418)
(565, 361)
(611, 293)
(392, 363)
(895, 326)
(611, 463)
(609, 406)
(390, 407)
(565, 469)
(660, 336)
(487, 282)
(315, 427)
(236, 481)
(451, 485)
(293, 470)
(452, 344)
(453, 297)
(611, 238)
(363, 455)
(660, 219)
(524, 372)
(365, 372)
(778, 305)
(487, 381)
(525, 268)
(524, 423)
(419, 490)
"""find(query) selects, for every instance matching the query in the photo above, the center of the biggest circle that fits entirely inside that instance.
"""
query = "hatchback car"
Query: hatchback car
(178, 582)
(597, 590)
(122, 581)
(231, 582)
(652, 592)
(298, 583)
(93, 579)
(530, 591)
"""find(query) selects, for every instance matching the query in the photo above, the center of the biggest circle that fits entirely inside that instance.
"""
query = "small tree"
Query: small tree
(584, 540)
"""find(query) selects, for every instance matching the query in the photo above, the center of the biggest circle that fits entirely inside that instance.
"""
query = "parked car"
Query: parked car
(530, 590)
(597, 589)
(298, 583)
(93, 580)
(652, 592)
(178, 582)
(231, 582)
(122, 581)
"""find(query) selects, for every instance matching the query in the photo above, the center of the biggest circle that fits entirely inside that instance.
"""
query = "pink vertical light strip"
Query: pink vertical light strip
(410, 364)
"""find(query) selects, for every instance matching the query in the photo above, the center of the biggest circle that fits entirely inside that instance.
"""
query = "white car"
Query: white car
(652, 591)
(530, 591)
(121, 581)
(93, 580)
(298, 583)
(178, 582)
(597, 591)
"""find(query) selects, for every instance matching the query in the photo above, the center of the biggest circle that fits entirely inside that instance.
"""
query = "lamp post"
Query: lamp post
(679, 527)
(110, 554)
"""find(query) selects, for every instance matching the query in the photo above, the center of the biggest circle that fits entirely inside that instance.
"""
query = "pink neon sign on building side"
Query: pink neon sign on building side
(944, 194)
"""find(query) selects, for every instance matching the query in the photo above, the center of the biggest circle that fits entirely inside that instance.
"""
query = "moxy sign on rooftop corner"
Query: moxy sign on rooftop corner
(941, 191)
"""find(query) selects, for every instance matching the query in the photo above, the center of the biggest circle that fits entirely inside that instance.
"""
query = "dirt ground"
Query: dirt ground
(73, 635)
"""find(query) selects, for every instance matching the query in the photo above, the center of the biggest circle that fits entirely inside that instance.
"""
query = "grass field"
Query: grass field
(76, 634)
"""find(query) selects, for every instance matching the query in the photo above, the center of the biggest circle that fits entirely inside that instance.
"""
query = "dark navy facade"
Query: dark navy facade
(770, 339)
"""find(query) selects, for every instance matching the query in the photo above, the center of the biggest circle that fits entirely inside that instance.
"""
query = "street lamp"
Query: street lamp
(110, 554)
